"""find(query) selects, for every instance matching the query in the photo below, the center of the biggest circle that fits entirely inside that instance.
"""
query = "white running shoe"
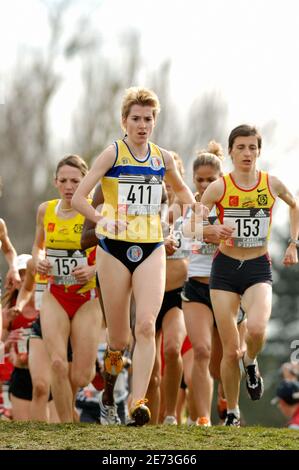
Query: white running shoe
(108, 412)
(170, 420)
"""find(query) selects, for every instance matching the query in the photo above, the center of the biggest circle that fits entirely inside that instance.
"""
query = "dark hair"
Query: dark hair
(75, 161)
(244, 130)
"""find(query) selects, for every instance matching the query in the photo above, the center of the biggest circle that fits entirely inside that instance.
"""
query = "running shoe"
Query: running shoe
(140, 414)
(204, 422)
(108, 413)
(232, 420)
(170, 420)
(254, 381)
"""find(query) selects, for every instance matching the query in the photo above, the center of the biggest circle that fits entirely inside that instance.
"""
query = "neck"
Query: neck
(64, 206)
(139, 151)
(245, 178)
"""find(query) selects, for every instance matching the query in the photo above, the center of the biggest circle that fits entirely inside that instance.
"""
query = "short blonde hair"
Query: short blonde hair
(141, 96)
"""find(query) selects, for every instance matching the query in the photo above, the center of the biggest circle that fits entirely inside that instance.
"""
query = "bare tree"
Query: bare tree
(25, 141)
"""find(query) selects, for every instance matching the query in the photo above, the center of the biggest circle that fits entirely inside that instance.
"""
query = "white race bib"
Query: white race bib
(140, 195)
(63, 262)
(251, 226)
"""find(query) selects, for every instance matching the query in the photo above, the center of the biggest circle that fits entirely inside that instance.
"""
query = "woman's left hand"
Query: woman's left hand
(291, 255)
(83, 274)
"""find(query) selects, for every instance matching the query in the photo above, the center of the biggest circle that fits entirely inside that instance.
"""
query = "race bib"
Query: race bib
(139, 195)
(63, 262)
(251, 227)
(183, 244)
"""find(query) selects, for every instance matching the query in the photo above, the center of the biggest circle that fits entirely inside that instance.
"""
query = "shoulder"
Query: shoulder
(276, 185)
(41, 210)
(108, 152)
(106, 158)
(214, 192)
(168, 158)
(279, 189)
(217, 187)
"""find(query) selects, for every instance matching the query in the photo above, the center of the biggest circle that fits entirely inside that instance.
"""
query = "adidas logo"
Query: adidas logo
(77, 254)
(260, 213)
(154, 180)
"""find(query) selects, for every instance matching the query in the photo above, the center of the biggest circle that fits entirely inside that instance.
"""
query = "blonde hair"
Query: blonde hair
(141, 96)
(179, 162)
(212, 156)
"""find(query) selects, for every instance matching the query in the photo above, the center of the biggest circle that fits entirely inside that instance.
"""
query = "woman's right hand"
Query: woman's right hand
(170, 245)
(215, 233)
(113, 226)
(43, 266)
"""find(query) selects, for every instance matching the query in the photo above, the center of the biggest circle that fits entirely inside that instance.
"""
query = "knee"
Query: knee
(81, 378)
(145, 329)
(60, 367)
(40, 388)
(202, 353)
(231, 354)
(256, 332)
(155, 381)
(172, 350)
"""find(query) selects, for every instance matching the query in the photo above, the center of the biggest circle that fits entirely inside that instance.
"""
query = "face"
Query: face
(203, 176)
(67, 181)
(245, 152)
(140, 123)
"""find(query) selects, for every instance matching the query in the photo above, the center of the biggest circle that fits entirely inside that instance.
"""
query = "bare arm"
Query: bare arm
(12, 277)
(213, 193)
(278, 188)
(102, 164)
(173, 177)
(88, 237)
(41, 264)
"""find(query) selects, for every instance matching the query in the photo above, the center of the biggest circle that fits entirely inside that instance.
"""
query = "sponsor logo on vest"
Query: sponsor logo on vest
(248, 203)
(78, 228)
(233, 201)
(260, 213)
(64, 230)
(78, 254)
(50, 227)
(262, 199)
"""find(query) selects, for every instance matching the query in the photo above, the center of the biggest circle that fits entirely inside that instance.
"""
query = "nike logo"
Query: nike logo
(260, 190)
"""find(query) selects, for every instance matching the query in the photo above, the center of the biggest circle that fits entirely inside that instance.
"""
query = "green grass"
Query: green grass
(36, 436)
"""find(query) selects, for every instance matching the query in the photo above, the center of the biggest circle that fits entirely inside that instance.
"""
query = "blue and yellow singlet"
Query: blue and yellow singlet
(132, 192)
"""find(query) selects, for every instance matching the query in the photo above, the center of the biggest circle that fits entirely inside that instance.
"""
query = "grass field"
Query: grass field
(35, 436)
